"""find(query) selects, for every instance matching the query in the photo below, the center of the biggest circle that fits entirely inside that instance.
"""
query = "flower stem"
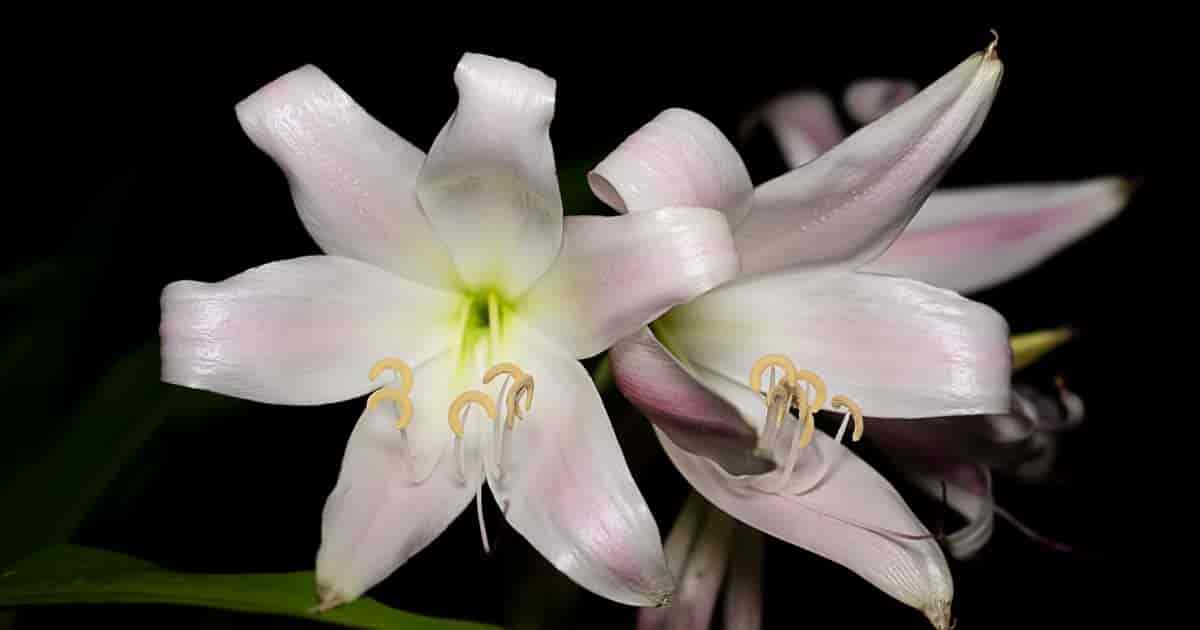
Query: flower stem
(602, 374)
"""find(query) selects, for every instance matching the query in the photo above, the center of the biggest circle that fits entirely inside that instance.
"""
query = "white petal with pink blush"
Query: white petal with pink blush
(845, 207)
(976, 238)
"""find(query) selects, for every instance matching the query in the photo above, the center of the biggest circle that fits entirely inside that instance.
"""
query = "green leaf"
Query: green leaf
(49, 491)
(71, 574)
(17, 282)
(577, 196)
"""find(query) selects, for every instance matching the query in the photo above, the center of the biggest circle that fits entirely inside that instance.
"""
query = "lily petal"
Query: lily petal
(616, 274)
(995, 439)
(397, 490)
(672, 397)
(973, 239)
(969, 492)
(568, 489)
(489, 185)
(679, 158)
(1051, 417)
(699, 577)
(869, 99)
(845, 207)
(900, 348)
(352, 178)
(1021, 440)
(1051, 413)
(304, 331)
(683, 537)
(804, 125)
(744, 591)
(851, 516)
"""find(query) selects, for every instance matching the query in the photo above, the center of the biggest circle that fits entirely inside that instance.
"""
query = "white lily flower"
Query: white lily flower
(457, 272)
(803, 310)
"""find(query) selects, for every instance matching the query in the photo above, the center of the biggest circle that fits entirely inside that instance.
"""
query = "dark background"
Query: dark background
(139, 175)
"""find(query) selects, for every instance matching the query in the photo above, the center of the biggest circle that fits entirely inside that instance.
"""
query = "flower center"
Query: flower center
(792, 391)
(482, 319)
(516, 392)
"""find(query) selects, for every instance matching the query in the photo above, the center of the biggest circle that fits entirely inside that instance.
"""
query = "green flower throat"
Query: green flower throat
(483, 318)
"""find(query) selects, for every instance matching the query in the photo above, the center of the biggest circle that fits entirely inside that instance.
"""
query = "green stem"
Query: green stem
(602, 374)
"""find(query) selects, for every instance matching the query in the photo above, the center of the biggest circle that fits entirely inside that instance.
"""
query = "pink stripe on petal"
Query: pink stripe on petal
(303, 332)
(697, 420)
(973, 239)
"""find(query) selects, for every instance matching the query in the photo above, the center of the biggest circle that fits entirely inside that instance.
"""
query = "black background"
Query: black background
(138, 128)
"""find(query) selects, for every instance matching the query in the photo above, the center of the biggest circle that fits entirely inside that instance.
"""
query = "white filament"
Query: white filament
(789, 465)
(479, 511)
(842, 429)
(499, 432)
(461, 458)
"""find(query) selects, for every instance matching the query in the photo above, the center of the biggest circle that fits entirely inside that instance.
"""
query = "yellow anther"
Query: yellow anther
(398, 396)
(855, 412)
(523, 388)
(403, 372)
(767, 362)
(510, 369)
(464, 401)
(805, 376)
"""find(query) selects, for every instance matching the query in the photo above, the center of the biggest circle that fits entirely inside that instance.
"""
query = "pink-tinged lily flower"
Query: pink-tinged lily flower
(456, 272)
(818, 333)
(966, 240)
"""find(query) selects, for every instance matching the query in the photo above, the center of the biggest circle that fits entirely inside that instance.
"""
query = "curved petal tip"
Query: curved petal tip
(938, 614)
(330, 598)
(677, 159)
(1129, 184)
